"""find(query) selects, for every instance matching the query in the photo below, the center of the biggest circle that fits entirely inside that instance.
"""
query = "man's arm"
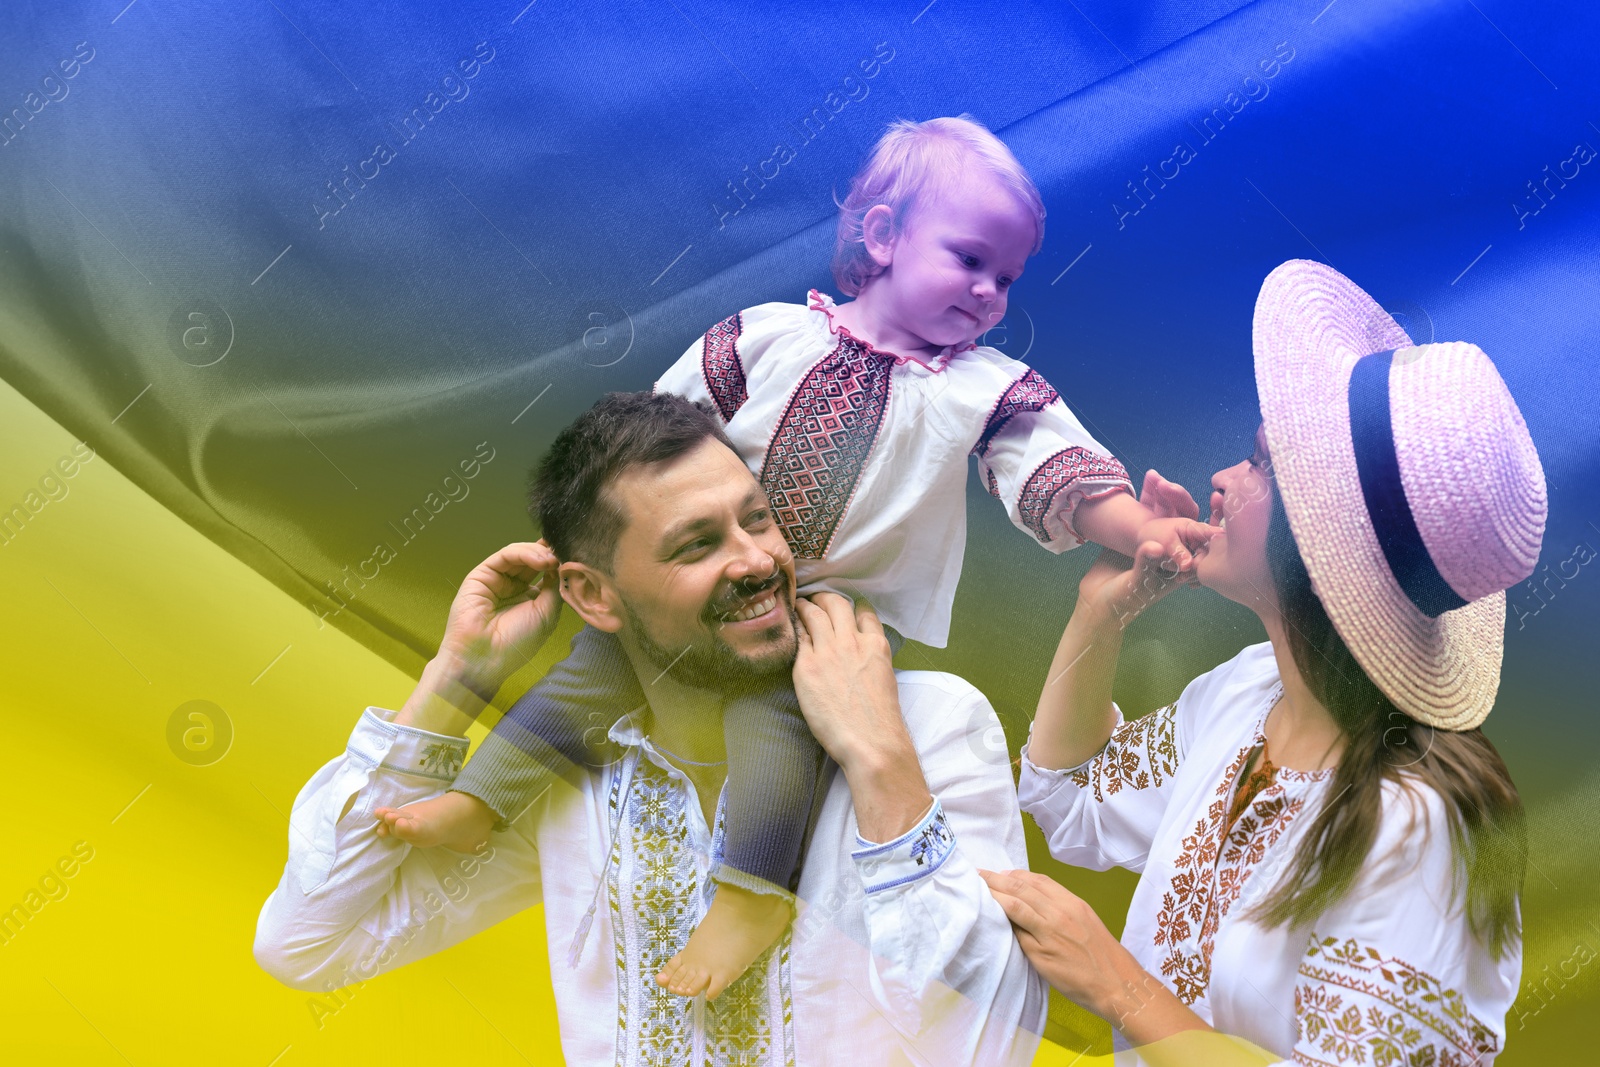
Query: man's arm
(352, 904)
(352, 898)
(945, 967)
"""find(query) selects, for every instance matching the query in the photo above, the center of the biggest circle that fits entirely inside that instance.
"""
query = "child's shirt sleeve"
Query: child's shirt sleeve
(1036, 458)
(716, 367)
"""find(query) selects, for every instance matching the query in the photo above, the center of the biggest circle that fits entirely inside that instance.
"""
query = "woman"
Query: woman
(1331, 851)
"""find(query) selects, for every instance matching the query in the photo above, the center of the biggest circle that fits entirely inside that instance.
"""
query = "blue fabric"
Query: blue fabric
(1378, 466)
(315, 359)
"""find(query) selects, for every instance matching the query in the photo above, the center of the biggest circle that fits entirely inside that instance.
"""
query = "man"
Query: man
(898, 955)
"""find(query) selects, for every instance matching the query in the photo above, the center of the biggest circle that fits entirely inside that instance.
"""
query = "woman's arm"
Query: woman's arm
(1075, 716)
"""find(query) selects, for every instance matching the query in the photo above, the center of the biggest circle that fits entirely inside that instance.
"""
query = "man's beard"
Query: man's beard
(715, 664)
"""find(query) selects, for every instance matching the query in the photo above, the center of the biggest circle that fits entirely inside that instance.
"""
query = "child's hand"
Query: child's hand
(1166, 499)
(1176, 527)
(1180, 538)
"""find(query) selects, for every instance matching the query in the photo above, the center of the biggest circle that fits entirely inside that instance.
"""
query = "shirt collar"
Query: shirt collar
(630, 731)
(820, 301)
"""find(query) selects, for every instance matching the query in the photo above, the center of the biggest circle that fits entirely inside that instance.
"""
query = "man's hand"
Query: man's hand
(503, 613)
(844, 678)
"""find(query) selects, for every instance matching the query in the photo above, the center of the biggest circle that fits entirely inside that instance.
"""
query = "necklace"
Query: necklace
(659, 747)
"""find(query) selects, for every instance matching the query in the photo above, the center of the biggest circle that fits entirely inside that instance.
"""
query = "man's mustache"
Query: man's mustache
(740, 593)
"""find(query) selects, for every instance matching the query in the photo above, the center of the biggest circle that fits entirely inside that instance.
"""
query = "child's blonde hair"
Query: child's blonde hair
(913, 160)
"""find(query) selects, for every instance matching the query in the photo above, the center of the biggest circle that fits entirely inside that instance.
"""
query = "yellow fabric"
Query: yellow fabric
(118, 614)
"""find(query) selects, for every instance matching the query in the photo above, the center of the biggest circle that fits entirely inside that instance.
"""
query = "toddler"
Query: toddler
(858, 419)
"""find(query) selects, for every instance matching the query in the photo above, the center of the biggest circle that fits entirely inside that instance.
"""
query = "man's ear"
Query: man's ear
(878, 233)
(590, 593)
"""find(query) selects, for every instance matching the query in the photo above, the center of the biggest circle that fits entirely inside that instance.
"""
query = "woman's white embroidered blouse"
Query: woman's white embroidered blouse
(1390, 974)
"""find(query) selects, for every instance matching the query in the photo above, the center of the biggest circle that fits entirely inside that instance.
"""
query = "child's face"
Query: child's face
(955, 260)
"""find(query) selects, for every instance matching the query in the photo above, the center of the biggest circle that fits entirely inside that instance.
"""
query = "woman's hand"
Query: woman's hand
(1065, 940)
(1072, 950)
(1119, 589)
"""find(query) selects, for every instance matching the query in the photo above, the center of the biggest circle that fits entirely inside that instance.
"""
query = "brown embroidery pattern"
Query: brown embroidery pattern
(1257, 830)
(1183, 926)
(1355, 1005)
(1140, 755)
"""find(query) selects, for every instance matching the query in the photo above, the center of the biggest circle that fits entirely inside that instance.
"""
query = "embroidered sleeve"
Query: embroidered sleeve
(943, 965)
(1393, 972)
(1104, 813)
(351, 904)
(720, 366)
(915, 854)
(711, 369)
(1141, 754)
(1039, 461)
(1353, 1003)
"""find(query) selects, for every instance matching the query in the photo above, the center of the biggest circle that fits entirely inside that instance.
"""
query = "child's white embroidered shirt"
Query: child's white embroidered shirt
(863, 454)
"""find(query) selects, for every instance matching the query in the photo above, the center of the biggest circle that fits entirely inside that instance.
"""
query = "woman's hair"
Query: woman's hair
(1487, 825)
(914, 161)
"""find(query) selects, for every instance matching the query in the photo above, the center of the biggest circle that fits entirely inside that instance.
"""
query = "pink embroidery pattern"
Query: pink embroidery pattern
(822, 443)
(1353, 1004)
(1028, 393)
(720, 364)
(824, 303)
(1060, 472)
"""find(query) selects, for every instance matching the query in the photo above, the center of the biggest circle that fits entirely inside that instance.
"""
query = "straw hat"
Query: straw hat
(1411, 485)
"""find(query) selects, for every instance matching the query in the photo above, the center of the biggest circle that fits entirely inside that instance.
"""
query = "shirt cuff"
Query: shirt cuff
(379, 743)
(915, 854)
(1068, 502)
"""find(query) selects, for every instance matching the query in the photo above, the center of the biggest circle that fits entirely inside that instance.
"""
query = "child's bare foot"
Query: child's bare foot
(738, 927)
(456, 820)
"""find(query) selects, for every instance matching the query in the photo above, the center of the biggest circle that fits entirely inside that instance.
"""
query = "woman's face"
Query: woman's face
(1234, 563)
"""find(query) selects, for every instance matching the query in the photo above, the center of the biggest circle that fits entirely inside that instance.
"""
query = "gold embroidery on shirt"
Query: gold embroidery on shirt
(1210, 873)
(1353, 1004)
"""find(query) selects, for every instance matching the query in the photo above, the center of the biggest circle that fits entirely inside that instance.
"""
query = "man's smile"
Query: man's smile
(746, 606)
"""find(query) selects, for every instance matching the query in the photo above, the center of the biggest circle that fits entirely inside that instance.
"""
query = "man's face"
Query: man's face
(704, 575)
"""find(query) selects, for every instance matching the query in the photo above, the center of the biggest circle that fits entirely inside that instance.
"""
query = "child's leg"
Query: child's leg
(557, 728)
(773, 766)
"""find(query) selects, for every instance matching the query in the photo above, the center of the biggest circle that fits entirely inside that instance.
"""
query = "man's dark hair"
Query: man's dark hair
(567, 493)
